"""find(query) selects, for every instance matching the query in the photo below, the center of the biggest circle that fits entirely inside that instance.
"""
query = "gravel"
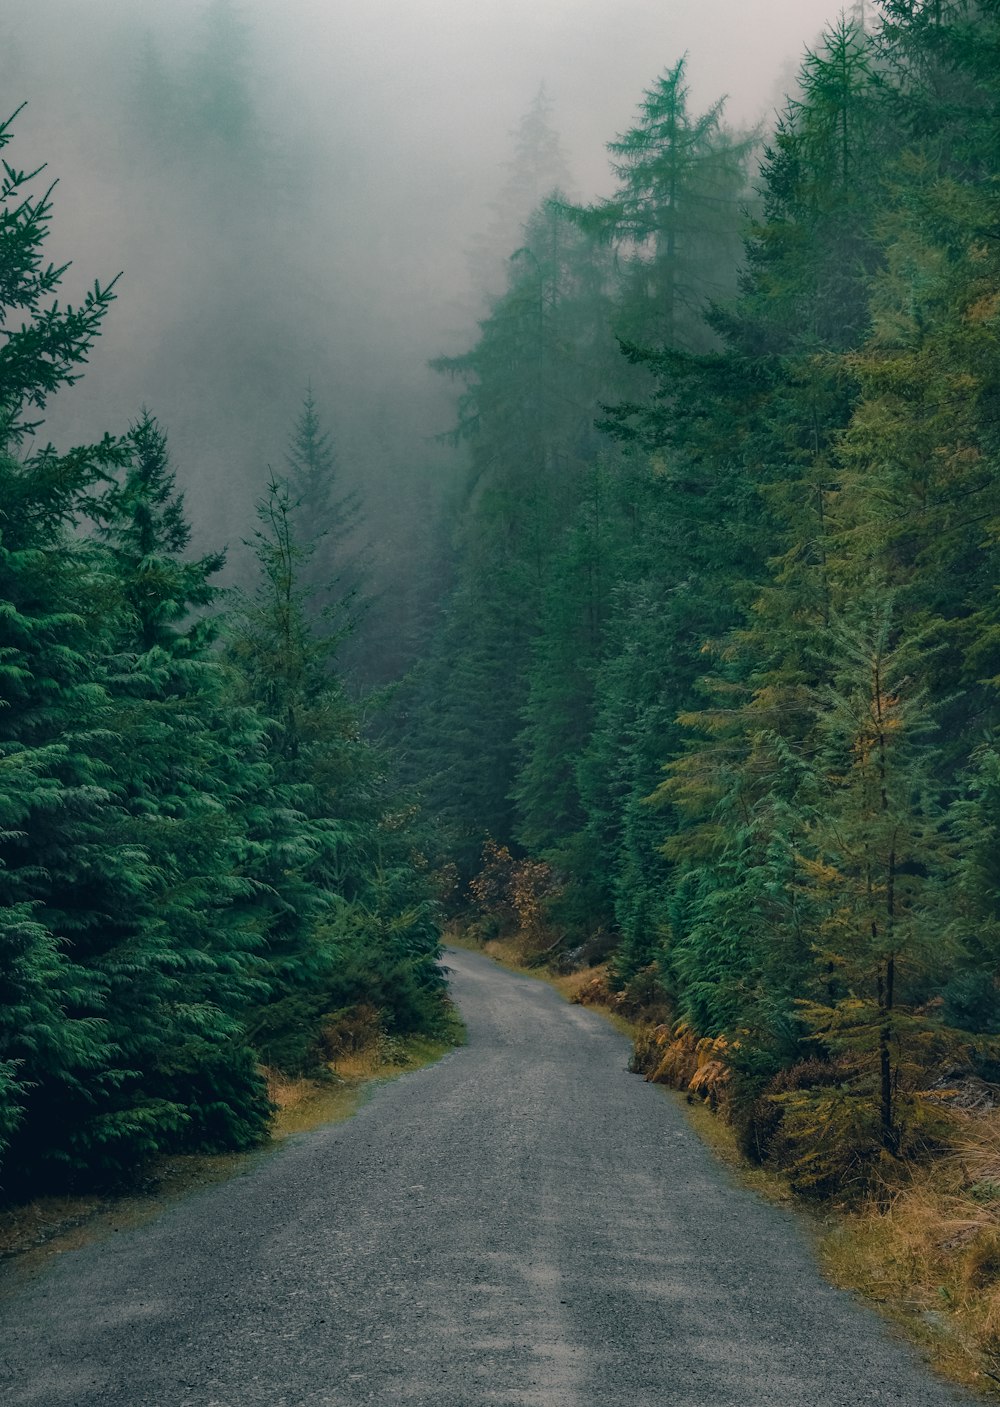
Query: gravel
(522, 1223)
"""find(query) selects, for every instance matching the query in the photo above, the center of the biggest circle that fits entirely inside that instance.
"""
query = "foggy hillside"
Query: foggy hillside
(522, 478)
(296, 194)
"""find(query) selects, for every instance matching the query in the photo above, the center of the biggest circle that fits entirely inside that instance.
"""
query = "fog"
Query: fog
(308, 216)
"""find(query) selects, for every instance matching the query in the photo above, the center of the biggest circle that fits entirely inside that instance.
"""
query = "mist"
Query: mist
(308, 218)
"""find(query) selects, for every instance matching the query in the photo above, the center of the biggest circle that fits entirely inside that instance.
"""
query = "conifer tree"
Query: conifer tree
(220, 101)
(51, 344)
(330, 522)
(533, 386)
(56, 856)
(199, 863)
(675, 217)
(878, 862)
(183, 766)
(537, 171)
(344, 913)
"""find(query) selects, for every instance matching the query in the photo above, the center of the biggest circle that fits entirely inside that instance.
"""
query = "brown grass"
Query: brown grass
(929, 1253)
(32, 1233)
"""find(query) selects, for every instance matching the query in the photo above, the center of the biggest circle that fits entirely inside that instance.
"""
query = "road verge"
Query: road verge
(925, 1252)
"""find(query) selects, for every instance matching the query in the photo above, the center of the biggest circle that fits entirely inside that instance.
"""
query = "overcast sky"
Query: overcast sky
(395, 117)
(417, 98)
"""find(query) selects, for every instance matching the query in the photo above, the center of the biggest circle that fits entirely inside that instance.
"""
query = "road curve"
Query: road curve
(523, 1223)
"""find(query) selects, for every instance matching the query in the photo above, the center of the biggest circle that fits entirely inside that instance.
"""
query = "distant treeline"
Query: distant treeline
(202, 861)
(724, 648)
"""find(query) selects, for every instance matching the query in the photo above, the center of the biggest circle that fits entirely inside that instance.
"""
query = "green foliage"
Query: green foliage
(50, 345)
(199, 861)
(675, 217)
(329, 522)
(752, 642)
(345, 909)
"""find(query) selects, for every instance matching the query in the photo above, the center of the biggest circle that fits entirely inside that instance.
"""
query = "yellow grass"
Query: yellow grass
(304, 1104)
(930, 1254)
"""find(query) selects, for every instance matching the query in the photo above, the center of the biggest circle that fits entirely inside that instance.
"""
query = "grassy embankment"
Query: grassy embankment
(32, 1232)
(925, 1251)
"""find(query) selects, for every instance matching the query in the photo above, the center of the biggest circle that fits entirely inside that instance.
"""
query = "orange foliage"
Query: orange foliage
(512, 890)
(687, 1061)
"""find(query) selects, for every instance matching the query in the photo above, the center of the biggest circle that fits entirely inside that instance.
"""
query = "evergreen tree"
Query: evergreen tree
(536, 171)
(221, 110)
(56, 857)
(345, 914)
(877, 868)
(675, 217)
(533, 385)
(330, 522)
(182, 767)
(51, 344)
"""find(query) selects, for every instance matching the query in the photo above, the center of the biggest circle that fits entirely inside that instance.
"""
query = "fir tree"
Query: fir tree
(675, 216)
(330, 523)
(537, 170)
(344, 913)
(184, 766)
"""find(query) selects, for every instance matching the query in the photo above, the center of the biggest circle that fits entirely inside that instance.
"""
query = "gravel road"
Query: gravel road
(523, 1223)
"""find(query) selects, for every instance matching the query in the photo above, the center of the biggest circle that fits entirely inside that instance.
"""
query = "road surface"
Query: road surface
(523, 1223)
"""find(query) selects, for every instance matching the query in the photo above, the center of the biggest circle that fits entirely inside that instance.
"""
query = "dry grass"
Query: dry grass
(929, 1253)
(32, 1233)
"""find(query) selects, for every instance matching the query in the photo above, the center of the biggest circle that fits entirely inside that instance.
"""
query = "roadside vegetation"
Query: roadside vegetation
(207, 871)
(714, 705)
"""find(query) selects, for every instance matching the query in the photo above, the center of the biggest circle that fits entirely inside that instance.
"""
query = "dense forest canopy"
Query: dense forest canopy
(726, 663)
(691, 636)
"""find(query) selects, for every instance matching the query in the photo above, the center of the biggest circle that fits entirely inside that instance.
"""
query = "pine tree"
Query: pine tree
(558, 708)
(811, 255)
(330, 522)
(345, 914)
(675, 217)
(533, 386)
(54, 799)
(51, 344)
(221, 110)
(878, 861)
(537, 171)
(182, 767)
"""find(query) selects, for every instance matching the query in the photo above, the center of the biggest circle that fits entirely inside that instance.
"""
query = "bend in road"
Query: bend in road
(523, 1223)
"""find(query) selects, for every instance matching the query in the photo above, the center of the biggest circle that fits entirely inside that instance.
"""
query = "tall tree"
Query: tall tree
(675, 217)
(53, 793)
(345, 911)
(537, 170)
(330, 522)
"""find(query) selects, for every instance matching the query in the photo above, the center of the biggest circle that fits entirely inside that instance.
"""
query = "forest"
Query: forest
(717, 683)
(202, 860)
(698, 674)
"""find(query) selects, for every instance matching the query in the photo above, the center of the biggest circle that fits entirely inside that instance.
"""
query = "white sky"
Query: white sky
(445, 80)
(399, 115)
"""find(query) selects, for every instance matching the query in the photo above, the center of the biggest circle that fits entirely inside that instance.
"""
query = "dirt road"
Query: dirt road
(523, 1223)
